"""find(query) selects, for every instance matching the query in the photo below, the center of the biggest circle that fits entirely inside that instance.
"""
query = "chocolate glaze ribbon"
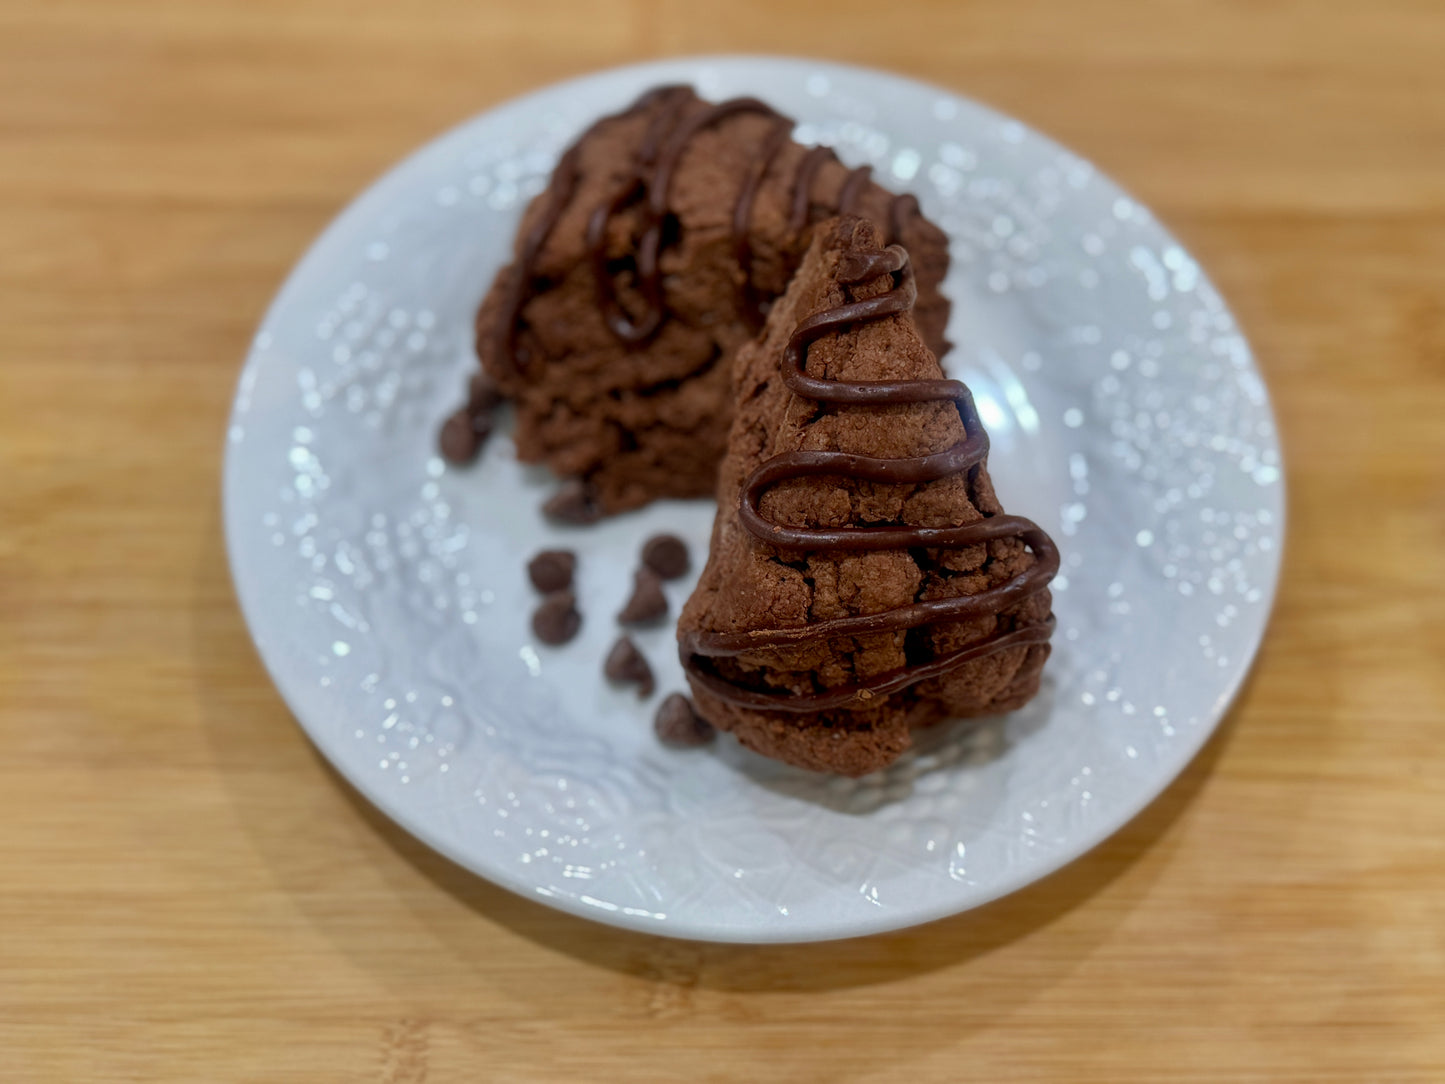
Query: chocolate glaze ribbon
(668, 135)
(748, 299)
(967, 454)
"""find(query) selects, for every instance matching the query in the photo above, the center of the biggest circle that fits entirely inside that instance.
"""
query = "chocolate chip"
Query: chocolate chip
(666, 554)
(647, 603)
(483, 395)
(462, 436)
(551, 570)
(676, 723)
(572, 503)
(556, 620)
(626, 664)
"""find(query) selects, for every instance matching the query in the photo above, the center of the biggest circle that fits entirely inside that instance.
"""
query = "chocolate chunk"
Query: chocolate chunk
(483, 395)
(676, 723)
(666, 554)
(462, 436)
(647, 603)
(572, 503)
(626, 664)
(551, 570)
(556, 620)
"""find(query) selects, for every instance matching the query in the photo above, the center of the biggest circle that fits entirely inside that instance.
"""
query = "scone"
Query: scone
(665, 235)
(863, 579)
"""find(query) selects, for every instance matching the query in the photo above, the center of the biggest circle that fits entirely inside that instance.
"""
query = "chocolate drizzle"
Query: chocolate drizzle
(559, 194)
(667, 137)
(803, 186)
(742, 215)
(967, 454)
(653, 182)
(853, 189)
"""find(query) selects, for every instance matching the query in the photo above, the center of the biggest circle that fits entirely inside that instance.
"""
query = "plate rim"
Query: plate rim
(886, 921)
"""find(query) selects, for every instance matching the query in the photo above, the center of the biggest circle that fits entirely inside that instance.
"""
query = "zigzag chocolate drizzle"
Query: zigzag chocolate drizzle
(967, 454)
(666, 139)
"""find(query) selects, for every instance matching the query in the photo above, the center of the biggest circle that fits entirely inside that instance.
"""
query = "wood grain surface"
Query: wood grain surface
(188, 893)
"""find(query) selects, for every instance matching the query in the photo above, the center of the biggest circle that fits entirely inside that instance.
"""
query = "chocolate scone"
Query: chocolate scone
(666, 233)
(863, 579)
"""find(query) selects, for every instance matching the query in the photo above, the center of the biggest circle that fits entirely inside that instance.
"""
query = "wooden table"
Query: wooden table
(190, 894)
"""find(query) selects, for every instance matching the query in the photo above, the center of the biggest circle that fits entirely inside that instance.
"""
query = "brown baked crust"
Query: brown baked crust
(647, 420)
(753, 588)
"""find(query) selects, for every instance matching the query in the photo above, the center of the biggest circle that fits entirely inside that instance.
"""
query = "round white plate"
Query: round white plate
(387, 596)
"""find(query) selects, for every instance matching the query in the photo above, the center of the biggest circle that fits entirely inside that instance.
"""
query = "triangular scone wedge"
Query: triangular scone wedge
(863, 579)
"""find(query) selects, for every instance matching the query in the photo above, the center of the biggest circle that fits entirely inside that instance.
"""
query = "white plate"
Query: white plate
(387, 595)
